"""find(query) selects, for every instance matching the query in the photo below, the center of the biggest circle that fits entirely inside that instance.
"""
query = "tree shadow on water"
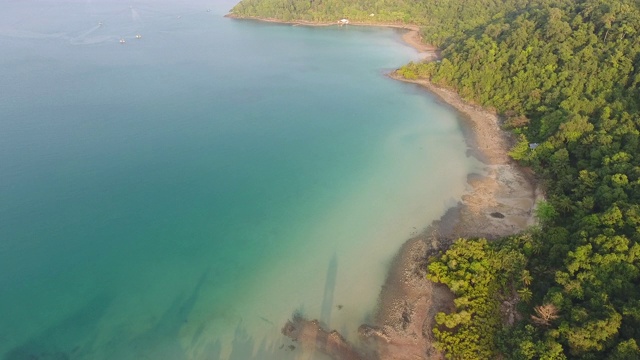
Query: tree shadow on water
(76, 337)
(162, 341)
(242, 345)
(55, 342)
(245, 347)
(329, 291)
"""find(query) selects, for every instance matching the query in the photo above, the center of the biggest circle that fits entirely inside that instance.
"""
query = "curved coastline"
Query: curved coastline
(411, 37)
(408, 303)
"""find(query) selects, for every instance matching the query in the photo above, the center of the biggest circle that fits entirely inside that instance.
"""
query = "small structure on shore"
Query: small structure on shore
(532, 146)
(343, 22)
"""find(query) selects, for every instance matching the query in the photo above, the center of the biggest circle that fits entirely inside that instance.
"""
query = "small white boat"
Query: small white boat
(100, 23)
(138, 36)
(122, 41)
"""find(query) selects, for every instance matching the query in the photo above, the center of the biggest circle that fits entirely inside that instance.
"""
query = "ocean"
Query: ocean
(176, 185)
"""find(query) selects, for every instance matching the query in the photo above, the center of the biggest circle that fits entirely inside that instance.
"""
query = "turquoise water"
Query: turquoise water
(181, 195)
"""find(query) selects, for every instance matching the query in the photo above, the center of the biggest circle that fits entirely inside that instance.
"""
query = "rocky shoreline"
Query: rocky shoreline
(499, 202)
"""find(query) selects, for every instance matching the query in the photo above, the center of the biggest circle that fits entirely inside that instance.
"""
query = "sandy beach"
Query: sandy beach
(498, 202)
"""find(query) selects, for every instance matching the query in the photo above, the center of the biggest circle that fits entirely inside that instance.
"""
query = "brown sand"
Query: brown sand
(498, 202)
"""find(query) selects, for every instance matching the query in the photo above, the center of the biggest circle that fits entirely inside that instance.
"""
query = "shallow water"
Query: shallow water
(179, 196)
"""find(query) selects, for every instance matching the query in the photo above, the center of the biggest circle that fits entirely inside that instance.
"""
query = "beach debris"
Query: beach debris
(406, 319)
(372, 14)
(266, 320)
(373, 332)
(310, 334)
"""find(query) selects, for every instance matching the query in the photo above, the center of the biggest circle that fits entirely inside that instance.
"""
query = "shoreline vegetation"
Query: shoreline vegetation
(565, 78)
(499, 202)
(411, 37)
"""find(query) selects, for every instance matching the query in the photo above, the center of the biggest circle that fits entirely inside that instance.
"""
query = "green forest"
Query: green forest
(566, 75)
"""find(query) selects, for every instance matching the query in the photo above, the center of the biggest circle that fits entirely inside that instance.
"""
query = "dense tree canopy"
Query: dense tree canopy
(439, 19)
(565, 74)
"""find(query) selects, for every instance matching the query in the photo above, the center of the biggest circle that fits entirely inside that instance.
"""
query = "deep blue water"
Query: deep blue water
(179, 196)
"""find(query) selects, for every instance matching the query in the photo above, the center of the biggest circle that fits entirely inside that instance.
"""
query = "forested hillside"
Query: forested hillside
(565, 75)
(440, 20)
